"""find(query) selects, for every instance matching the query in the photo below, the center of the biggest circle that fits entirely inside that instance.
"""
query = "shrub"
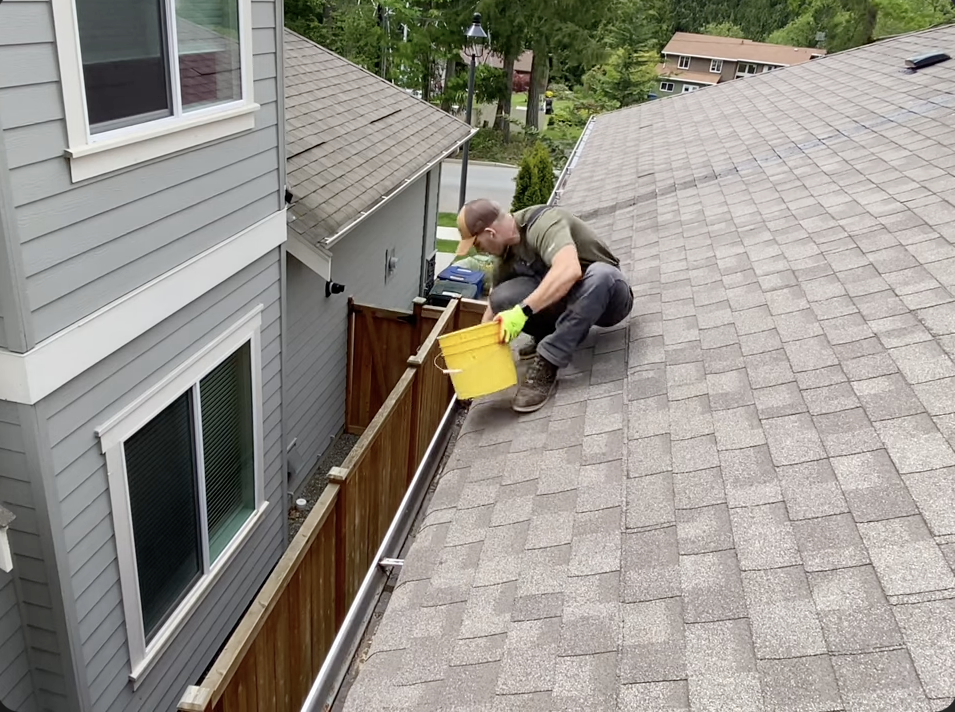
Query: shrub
(535, 179)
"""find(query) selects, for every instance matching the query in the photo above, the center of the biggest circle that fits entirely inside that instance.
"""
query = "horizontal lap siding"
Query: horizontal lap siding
(16, 683)
(86, 245)
(317, 331)
(76, 410)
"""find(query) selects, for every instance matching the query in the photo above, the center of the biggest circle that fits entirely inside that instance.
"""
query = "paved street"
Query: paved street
(484, 181)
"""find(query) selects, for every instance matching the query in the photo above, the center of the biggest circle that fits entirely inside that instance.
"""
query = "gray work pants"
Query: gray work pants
(601, 298)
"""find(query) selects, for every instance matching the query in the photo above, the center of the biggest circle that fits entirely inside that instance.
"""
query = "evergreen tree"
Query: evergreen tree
(535, 178)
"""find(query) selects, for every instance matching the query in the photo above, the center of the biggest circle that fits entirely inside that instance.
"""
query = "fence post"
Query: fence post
(417, 308)
(340, 477)
(195, 699)
(350, 415)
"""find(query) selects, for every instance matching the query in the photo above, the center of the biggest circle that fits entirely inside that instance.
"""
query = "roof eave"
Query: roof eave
(328, 242)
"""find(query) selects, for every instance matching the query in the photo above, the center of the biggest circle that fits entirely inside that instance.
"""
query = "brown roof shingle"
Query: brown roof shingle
(732, 49)
(351, 137)
(740, 499)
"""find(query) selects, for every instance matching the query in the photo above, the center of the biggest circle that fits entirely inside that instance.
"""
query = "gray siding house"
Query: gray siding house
(165, 335)
(142, 224)
(364, 161)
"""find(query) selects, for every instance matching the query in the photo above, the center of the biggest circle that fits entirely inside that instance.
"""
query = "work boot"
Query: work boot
(537, 387)
(528, 350)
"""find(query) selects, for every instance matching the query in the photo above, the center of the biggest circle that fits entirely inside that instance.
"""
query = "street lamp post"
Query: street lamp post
(475, 37)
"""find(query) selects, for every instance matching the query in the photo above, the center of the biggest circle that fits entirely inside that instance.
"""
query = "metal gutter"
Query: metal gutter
(329, 241)
(571, 162)
(328, 682)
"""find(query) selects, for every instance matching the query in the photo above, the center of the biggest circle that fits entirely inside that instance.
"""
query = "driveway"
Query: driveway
(484, 181)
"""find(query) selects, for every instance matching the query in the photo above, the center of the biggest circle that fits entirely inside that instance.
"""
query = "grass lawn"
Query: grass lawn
(449, 246)
(447, 220)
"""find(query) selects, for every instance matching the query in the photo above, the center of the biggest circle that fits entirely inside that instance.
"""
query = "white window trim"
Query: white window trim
(665, 84)
(716, 66)
(92, 156)
(126, 423)
(679, 62)
(740, 73)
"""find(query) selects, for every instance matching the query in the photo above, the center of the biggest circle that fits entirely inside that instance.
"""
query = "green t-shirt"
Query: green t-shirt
(555, 229)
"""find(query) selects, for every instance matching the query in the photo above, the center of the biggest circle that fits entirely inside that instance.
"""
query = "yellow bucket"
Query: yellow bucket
(478, 363)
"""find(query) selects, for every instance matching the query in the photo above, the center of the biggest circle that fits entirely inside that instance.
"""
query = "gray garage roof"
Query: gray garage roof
(744, 499)
(352, 137)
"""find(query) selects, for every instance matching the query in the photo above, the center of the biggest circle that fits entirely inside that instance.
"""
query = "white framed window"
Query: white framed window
(185, 471)
(687, 88)
(716, 66)
(145, 78)
(666, 86)
(683, 63)
(746, 69)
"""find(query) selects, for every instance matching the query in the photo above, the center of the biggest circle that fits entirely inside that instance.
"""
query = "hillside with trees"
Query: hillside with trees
(593, 55)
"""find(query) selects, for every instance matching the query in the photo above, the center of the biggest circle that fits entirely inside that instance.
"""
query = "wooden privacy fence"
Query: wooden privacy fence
(379, 344)
(277, 650)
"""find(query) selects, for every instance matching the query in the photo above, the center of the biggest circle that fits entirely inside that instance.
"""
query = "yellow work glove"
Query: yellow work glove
(511, 323)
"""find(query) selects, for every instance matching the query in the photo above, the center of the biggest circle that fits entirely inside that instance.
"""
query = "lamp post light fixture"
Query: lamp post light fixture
(475, 38)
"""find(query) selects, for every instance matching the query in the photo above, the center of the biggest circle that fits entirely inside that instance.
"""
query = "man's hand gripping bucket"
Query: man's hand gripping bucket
(477, 361)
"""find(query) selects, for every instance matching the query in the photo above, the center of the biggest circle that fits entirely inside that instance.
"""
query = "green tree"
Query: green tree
(348, 28)
(626, 78)
(535, 178)
(846, 24)
(900, 16)
(724, 29)
(505, 21)
(490, 84)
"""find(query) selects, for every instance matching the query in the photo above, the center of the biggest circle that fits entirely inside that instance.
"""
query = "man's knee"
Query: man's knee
(602, 275)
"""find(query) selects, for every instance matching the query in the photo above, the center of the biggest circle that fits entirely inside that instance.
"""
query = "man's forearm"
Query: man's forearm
(554, 287)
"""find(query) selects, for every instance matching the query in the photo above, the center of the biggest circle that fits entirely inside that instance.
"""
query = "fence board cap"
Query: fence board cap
(337, 474)
(195, 699)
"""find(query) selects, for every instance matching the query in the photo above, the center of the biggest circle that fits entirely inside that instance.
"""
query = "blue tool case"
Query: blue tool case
(453, 273)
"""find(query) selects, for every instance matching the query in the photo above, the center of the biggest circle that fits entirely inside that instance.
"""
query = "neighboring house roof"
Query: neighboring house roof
(743, 498)
(352, 138)
(732, 49)
(686, 76)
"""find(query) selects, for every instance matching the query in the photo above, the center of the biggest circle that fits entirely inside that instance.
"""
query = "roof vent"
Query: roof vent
(925, 60)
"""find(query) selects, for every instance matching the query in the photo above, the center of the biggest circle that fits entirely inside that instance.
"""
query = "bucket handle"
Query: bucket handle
(445, 371)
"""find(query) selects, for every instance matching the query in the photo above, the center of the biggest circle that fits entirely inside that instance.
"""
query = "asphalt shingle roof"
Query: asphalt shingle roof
(744, 498)
(351, 137)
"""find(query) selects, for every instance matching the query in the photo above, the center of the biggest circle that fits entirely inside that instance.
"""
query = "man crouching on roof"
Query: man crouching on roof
(556, 279)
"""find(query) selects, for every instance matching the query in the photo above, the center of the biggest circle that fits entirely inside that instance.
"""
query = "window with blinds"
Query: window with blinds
(227, 447)
(191, 478)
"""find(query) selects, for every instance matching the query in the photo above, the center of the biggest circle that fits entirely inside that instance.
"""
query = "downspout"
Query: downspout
(424, 235)
(283, 255)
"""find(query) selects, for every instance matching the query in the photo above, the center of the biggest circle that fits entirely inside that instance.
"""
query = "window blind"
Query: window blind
(225, 396)
(164, 504)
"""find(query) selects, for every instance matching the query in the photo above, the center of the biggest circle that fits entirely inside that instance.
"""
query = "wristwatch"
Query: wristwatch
(528, 312)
